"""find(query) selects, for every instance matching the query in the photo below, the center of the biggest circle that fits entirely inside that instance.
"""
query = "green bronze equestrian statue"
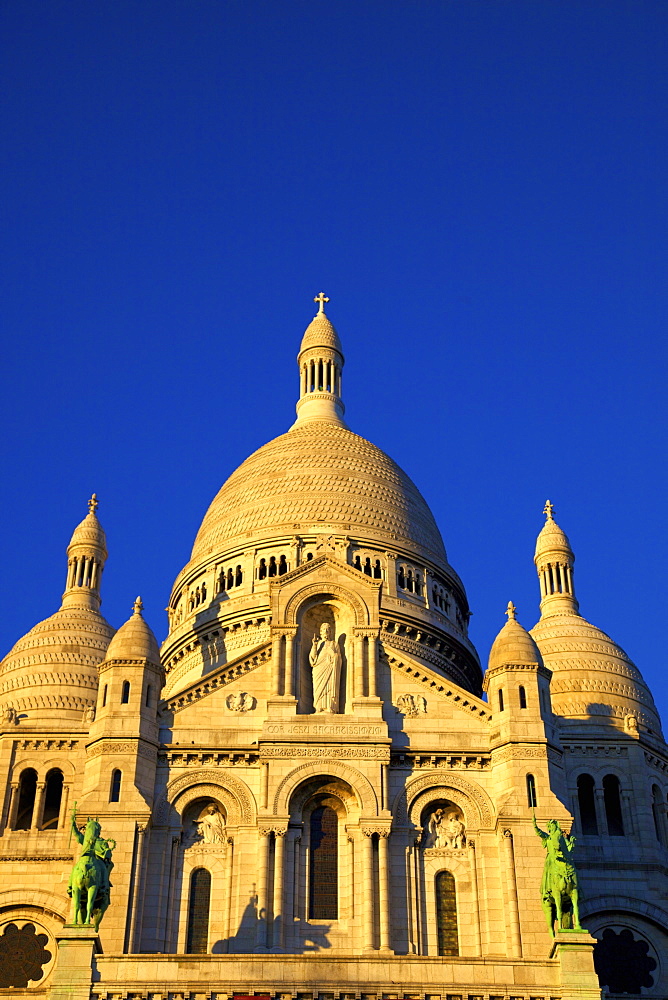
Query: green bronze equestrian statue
(89, 884)
(559, 888)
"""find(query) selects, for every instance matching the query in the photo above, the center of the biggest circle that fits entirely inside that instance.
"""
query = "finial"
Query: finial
(547, 510)
(138, 606)
(511, 612)
(321, 298)
(93, 504)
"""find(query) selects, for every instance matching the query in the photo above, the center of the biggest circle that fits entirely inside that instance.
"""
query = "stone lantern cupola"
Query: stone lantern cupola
(320, 362)
(86, 556)
(554, 562)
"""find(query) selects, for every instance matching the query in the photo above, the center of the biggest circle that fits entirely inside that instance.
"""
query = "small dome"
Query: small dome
(321, 333)
(134, 640)
(513, 645)
(551, 538)
(592, 677)
(51, 674)
(90, 532)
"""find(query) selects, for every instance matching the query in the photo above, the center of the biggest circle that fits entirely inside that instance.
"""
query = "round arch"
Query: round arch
(360, 785)
(230, 791)
(323, 591)
(472, 799)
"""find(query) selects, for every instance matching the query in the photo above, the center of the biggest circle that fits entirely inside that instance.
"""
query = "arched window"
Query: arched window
(657, 810)
(282, 566)
(230, 579)
(125, 694)
(500, 699)
(532, 801)
(377, 572)
(197, 937)
(418, 585)
(613, 805)
(309, 556)
(26, 792)
(272, 566)
(523, 697)
(323, 865)
(104, 695)
(115, 789)
(149, 695)
(367, 566)
(221, 582)
(53, 794)
(238, 577)
(401, 579)
(203, 593)
(587, 805)
(446, 914)
(358, 563)
(409, 581)
(262, 571)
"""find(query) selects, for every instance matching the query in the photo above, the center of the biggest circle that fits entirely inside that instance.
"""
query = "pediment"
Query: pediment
(329, 575)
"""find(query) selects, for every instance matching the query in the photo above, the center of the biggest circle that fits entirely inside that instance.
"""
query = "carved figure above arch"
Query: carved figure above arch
(475, 804)
(358, 782)
(233, 794)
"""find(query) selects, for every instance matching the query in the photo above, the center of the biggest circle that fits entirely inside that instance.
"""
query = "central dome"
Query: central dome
(320, 475)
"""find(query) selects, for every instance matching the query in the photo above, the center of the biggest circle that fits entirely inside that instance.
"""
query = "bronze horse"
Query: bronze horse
(89, 882)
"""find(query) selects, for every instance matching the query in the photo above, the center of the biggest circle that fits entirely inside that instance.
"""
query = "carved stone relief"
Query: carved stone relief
(412, 705)
(444, 829)
(240, 701)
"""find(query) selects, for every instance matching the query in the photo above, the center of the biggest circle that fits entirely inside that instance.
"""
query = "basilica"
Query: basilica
(312, 790)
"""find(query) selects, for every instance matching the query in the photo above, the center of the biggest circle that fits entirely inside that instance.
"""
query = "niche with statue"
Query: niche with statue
(203, 824)
(443, 827)
(323, 686)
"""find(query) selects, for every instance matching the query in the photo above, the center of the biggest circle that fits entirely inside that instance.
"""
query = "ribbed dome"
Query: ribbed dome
(90, 532)
(320, 333)
(551, 537)
(319, 474)
(51, 673)
(592, 675)
(513, 645)
(134, 640)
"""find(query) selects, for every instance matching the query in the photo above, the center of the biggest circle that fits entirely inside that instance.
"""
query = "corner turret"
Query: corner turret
(554, 562)
(86, 556)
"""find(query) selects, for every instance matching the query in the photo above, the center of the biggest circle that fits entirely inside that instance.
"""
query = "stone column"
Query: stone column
(475, 915)
(629, 819)
(369, 892)
(276, 650)
(279, 868)
(263, 864)
(513, 913)
(373, 664)
(289, 664)
(601, 817)
(13, 805)
(38, 806)
(229, 871)
(358, 686)
(171, 894)
(138, 883)
(264, 783)
(384, 890)
(62, 812)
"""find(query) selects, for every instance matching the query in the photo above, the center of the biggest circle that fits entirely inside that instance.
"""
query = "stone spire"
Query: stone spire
(86, 556)
(554, 562)
(320, 362)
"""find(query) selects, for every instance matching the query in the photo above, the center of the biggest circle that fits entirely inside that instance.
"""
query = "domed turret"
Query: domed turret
(593, 678)
(51, 675)
(134, 640)
(513, 644)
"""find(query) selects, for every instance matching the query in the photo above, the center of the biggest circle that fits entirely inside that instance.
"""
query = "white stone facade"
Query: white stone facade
(380, 851)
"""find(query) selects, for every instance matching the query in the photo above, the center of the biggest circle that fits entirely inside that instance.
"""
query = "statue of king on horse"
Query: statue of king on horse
(559, 888)
(89, 884)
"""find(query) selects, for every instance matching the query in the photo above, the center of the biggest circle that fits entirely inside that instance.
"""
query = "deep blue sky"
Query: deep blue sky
(479, 186)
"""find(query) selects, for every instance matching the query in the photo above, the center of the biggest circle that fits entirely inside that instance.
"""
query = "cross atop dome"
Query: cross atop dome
(511, 611)
(93, 504)
(548, 509)
(321, 298)
(138, 606)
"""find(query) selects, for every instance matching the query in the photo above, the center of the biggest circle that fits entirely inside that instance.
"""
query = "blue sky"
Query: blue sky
(478, 186)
